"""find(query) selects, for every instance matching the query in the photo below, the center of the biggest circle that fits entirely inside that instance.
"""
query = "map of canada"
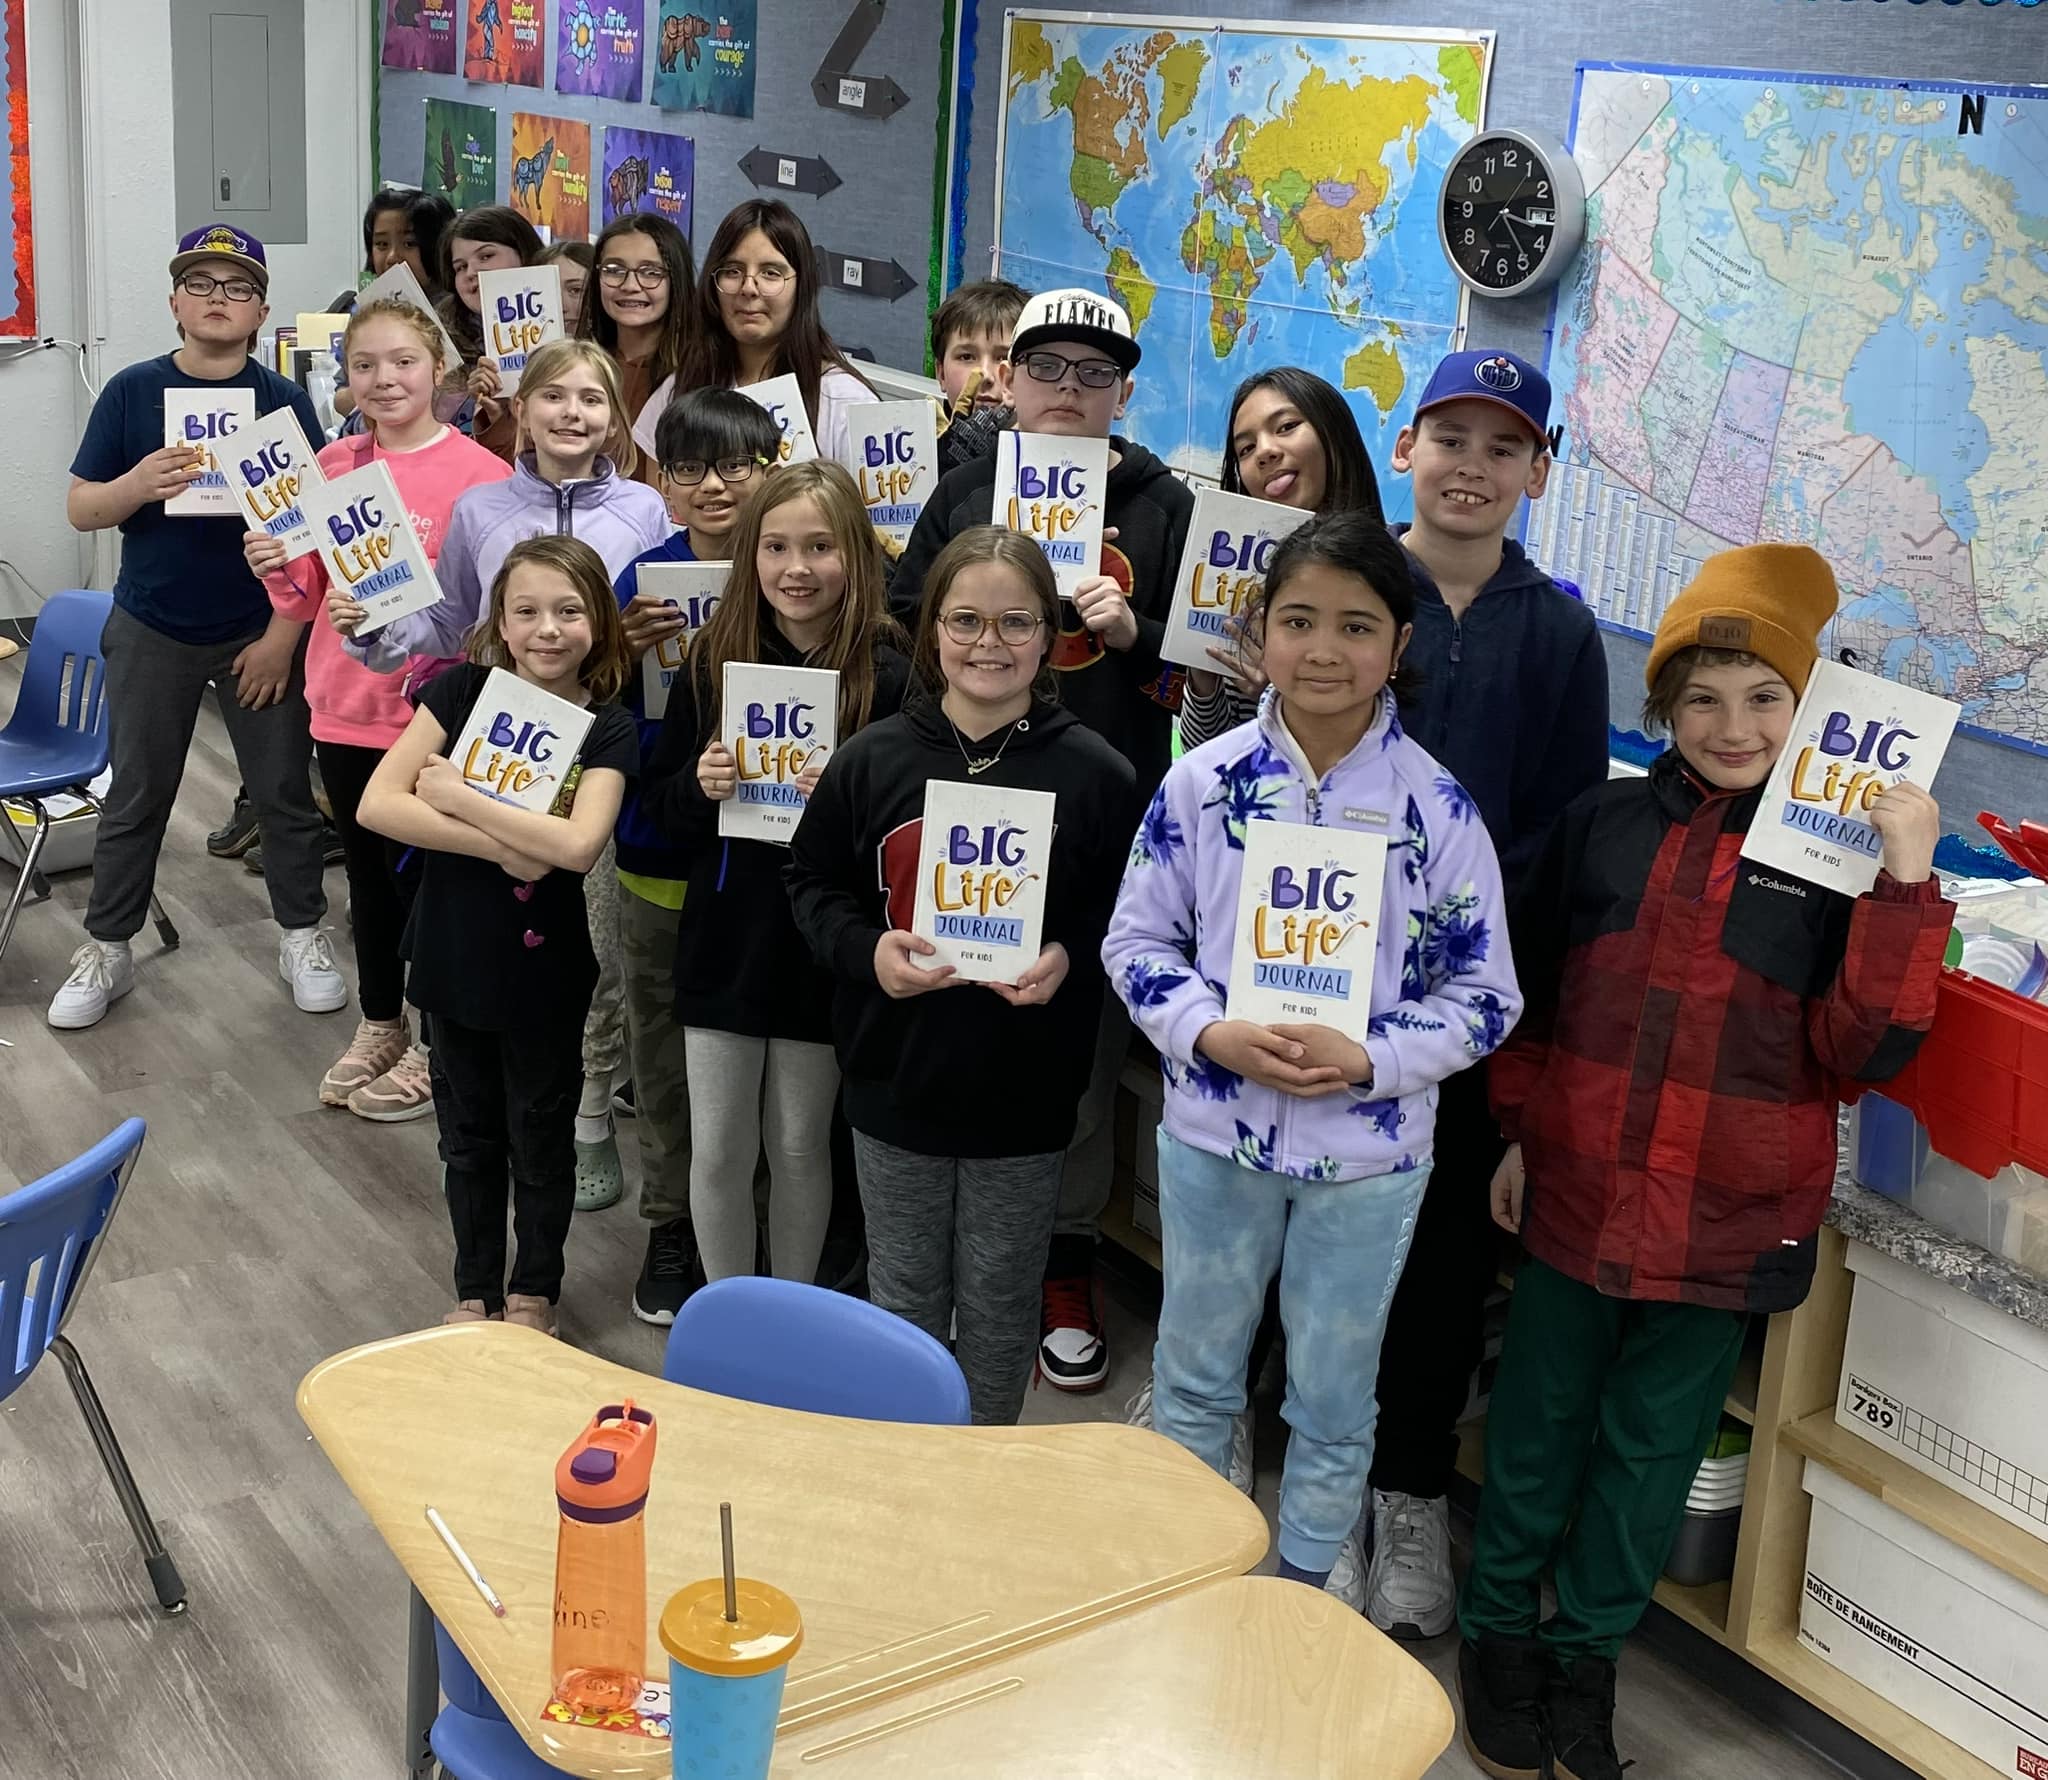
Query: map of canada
(1253, 198)
(1817, 311)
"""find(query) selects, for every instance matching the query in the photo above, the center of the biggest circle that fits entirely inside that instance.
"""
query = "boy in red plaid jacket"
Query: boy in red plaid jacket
(1693, 1020)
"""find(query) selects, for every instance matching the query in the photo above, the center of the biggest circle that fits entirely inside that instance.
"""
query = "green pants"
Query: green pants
(1599, 1417)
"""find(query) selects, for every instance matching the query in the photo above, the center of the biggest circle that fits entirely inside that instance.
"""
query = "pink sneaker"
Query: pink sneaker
(376, 1047)
(404, 1091)
(530, 1313)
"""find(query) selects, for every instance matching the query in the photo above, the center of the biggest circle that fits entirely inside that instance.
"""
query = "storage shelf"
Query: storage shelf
(1921, 1498)
(1705, 1608)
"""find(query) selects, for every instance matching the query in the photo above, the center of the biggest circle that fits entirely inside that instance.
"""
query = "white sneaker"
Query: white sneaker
(1347, 1574)
(1410, 1592)
(306, 961)
(1138, 1414)
(102, 971)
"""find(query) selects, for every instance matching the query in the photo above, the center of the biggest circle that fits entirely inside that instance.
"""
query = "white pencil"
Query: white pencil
(469, 1569)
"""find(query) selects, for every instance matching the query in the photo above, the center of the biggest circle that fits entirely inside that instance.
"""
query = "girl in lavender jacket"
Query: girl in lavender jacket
(1291, 1148)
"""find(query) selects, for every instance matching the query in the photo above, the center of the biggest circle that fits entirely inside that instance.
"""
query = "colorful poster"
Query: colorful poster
(597, 49)
(419, 34)
(704, 57)
(550, 183)
(648, 173)
(983, 857)
(506, 42)
(1231, 538)
(461, 158)
(1308, 922)
(17, 241)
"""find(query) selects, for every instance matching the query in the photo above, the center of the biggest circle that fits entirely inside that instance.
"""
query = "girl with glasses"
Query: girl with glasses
(642, 310)
(962, 1096)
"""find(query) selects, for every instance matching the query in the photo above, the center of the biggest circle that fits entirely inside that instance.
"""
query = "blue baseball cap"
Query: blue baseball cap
(1497, 377)
(222, 241)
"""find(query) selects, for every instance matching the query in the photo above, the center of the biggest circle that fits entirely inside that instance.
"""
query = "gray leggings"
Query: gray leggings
(734, 1082)
(962, 1239)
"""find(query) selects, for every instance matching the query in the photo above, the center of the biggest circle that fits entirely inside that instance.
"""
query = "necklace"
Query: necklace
(975, 768)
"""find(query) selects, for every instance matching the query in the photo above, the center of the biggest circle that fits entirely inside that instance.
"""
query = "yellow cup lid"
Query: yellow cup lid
(695, 1631)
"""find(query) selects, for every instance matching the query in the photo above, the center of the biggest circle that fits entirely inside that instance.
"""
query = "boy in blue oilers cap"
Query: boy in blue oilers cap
(1512, 701)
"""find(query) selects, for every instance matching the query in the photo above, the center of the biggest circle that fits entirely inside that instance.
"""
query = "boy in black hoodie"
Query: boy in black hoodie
(1069, 372)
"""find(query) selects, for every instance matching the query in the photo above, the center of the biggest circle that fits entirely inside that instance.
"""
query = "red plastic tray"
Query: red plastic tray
(1980, 1080)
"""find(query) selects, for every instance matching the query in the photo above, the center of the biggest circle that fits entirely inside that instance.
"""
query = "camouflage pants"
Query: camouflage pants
(604, 1027)
(647, 946)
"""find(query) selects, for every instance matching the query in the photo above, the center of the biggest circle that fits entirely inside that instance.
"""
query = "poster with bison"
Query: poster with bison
(704, 57)
(648, 173)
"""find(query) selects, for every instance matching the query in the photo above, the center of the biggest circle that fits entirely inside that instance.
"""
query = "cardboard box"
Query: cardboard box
(1140, 1099)
(1937, 1377)
(1933, 1628)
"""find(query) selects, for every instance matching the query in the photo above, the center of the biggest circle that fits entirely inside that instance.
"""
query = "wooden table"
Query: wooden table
(1246, 1677)
(915, 1552)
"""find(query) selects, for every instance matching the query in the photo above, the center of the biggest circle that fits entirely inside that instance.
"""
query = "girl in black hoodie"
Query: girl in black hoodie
(805, 590)
(962, 1095)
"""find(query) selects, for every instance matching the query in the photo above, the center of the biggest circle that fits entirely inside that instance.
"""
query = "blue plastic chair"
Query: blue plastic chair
(50, 1233)
(56, 741)
(768, 1341)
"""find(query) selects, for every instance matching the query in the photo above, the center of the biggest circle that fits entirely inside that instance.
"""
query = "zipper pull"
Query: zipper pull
(1457, 642)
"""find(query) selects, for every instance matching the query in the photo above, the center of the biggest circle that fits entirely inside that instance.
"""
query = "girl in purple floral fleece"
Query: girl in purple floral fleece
(1291, 1147)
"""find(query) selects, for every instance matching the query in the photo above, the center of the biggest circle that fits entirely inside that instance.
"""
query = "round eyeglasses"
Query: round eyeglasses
(967, 626)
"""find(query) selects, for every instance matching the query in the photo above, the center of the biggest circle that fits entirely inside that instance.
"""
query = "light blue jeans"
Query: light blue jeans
(1338, 1247)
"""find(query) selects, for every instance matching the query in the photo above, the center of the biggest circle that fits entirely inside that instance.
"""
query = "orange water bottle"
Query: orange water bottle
(600, 1656)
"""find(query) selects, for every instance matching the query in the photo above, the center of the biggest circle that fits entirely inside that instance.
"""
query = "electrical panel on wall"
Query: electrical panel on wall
(238, 87)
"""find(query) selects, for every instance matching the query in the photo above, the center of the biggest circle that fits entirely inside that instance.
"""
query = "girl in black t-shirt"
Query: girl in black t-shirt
(498, 941)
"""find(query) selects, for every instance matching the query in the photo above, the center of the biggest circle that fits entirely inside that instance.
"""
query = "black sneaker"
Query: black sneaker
(1072, 1354)
(1578, 1708)
(331, 851)
(669, 1274)
(1501, 1685)
(237, 834)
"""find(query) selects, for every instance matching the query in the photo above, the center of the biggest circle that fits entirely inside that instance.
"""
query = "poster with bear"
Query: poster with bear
(704, 57)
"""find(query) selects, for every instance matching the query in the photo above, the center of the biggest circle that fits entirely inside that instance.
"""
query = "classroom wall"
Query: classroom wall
(1538, 46)
(116, 133)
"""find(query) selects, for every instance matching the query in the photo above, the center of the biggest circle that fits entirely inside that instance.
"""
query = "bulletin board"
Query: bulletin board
(846, 115)
(17, 243)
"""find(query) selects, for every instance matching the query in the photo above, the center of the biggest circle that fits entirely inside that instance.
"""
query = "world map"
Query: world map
(1253, 198)
(1815, 310)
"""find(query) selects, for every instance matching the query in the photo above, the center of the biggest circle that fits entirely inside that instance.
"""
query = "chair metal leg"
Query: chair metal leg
(163, 1574)
(422, 1688)
(28, 876)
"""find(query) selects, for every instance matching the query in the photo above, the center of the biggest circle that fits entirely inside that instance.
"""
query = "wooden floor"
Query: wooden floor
(261, 1233)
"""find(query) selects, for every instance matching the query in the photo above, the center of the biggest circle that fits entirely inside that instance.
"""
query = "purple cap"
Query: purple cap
(1497, 377)
(594, 1465)
(223, 241)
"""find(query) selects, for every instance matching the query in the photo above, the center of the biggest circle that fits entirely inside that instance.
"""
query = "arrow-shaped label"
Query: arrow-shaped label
(860, 95)
(789, 173)
(863, 277)
(853, 37)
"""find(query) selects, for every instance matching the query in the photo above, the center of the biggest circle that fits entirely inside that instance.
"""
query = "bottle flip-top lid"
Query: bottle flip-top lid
(767, 1631)
(606, 1470)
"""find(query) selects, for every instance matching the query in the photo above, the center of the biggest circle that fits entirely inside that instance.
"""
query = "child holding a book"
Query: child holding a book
(392, 351)
(499, 941)
(755, 1008)
(971, 333)
(490, 238)
(962, 1095)
(1292, 1148)
(1694, 1022)
(712, 448)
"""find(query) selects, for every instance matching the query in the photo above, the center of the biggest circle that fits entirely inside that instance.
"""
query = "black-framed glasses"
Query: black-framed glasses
(690, 471)
(768, 279)
(236, 290)
(967, 626)
(1050, 367)
(646, 273)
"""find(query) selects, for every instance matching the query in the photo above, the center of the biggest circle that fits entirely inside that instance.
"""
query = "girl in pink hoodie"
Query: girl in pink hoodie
(392, 350)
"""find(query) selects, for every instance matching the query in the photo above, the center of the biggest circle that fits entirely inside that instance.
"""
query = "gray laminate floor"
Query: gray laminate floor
(261, 1233)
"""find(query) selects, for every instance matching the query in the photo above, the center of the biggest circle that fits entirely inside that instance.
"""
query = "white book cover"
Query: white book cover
(892, 448)
(520, 742)
(1231, 538)
(521, 313)
(693, 589)
(982, 866)
(270, 469)
(776, 721)
(1308, 927)
(210, 423)
(367, 545)
(1853, 736)
(400, 282)
(1052, 488)
(784, 400)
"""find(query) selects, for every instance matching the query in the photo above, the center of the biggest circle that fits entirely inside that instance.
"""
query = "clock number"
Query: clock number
(1492, 165)
(1543, 188)
(1468, 238)
(1509, 158)
(1468, 212)
(1472, 183)
(1522, 263)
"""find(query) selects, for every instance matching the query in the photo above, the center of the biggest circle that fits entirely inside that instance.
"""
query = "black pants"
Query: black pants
(1436, 1328)
(508, 1102)
(380, 895)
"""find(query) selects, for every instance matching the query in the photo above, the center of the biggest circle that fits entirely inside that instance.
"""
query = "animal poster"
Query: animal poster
(270, 470)
(704, 57)
(367, 544)
(461, 160)
(892, 448)
(507, 43)
(648, 173)
(521, 313)
(783, 397)
(1854, 735)
(1051, 488)
(1308, 924)
(520, 742)
(597, 48)
(982, 862)
(208, 422)
(693, 589)
(419, 34)
(776, 721)
(1223, 566)
(550, 184)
